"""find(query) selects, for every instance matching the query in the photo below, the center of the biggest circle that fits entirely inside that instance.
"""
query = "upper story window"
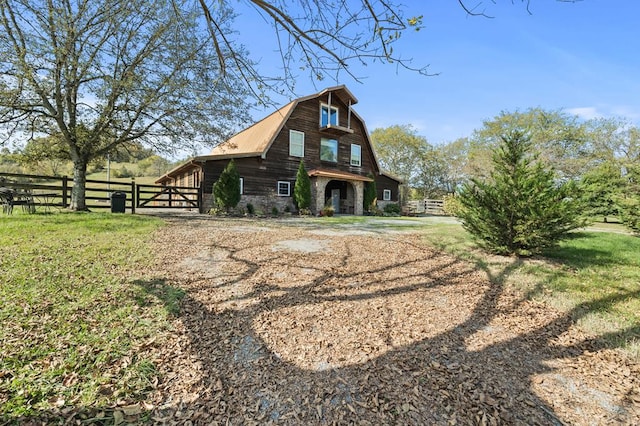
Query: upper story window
(296, 143)
(329, 150)
(328, 115)
(356, 155)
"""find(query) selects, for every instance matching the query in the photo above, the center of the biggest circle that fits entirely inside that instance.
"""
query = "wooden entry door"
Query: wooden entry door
(335, 200)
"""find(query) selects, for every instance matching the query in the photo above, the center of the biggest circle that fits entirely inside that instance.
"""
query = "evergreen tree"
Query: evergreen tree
(226, 190)
(369, 194)
(302, 188)
(601, 187)
(520, 209)
(630, 203)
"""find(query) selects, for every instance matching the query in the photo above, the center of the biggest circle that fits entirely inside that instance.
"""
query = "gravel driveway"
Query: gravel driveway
(285, 322)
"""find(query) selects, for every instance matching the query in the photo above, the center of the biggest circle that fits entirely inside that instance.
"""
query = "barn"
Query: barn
(321, 130)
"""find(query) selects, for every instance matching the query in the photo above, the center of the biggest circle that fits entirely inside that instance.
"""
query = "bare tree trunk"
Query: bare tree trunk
(78, 201)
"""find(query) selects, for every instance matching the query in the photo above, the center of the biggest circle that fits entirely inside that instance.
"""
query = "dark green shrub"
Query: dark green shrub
(250, 209)
(521, 209)
(302, 188)
(600, 189)
(226, 190)
(392, 208)
(274, 211)
(370, 195)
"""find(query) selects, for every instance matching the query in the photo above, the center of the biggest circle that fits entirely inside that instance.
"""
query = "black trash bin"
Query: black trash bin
(118, 202)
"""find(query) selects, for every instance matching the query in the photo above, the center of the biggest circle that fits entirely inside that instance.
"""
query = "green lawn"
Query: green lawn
(599, 277)
(75, 311)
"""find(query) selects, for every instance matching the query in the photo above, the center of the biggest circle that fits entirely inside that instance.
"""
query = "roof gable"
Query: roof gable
(256, 140)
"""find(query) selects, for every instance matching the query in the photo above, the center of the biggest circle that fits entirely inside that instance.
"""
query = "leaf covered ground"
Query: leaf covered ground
(290, 324)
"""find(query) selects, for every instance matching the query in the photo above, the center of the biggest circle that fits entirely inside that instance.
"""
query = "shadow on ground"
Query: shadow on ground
(369, 330)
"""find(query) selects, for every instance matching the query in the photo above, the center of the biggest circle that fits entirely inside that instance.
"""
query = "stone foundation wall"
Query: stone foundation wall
(265, 204)
(261, 204)
(381, 204)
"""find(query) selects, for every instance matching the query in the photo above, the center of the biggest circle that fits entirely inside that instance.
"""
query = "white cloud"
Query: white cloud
(606, 111)
(587, 113)
(627, 112)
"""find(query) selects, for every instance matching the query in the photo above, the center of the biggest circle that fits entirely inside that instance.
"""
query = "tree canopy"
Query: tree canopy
(398, 147)
(100, 75)
(559, 137)
(325, 38)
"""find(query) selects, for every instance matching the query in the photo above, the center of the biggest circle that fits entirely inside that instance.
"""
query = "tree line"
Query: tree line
(600, 158)
(43, 157)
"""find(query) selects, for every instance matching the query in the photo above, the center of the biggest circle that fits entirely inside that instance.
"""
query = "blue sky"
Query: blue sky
(581, 57)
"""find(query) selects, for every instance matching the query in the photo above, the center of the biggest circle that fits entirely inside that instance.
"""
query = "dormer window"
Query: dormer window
(328, 115)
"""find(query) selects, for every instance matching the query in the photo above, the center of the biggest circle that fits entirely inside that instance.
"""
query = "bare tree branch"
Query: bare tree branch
(322, 37)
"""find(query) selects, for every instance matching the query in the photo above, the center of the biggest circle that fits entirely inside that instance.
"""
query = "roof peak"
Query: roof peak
(341, 91)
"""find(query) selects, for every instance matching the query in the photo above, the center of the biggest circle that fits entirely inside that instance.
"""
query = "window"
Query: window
(329, 150)
(328, 115)
(386, 195)
(241, 186)
(284, 188)
(296, 143)
(356, 152)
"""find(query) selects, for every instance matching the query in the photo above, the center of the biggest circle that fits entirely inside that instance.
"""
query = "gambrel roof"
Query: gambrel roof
(256, 140)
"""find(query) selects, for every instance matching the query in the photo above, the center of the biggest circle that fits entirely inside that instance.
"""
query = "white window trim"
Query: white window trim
(337, 149)
(386, 195)
(359, 164)
(291, 132)
(329, 108)
(288, 194)
(241, 186)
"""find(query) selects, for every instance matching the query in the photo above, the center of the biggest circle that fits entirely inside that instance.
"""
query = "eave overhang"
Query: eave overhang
(338, 175)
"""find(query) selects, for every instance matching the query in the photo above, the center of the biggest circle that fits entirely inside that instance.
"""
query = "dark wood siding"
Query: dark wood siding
(262, 174)
(385, 182)
(306, 118)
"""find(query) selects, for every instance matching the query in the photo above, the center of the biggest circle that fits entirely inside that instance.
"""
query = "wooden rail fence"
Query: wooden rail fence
(55, 191)
(425, 207)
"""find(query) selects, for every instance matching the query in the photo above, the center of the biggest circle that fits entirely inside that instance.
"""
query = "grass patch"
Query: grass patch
(371, 222)
(599, 278)
(75, 319)
(595, 275)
